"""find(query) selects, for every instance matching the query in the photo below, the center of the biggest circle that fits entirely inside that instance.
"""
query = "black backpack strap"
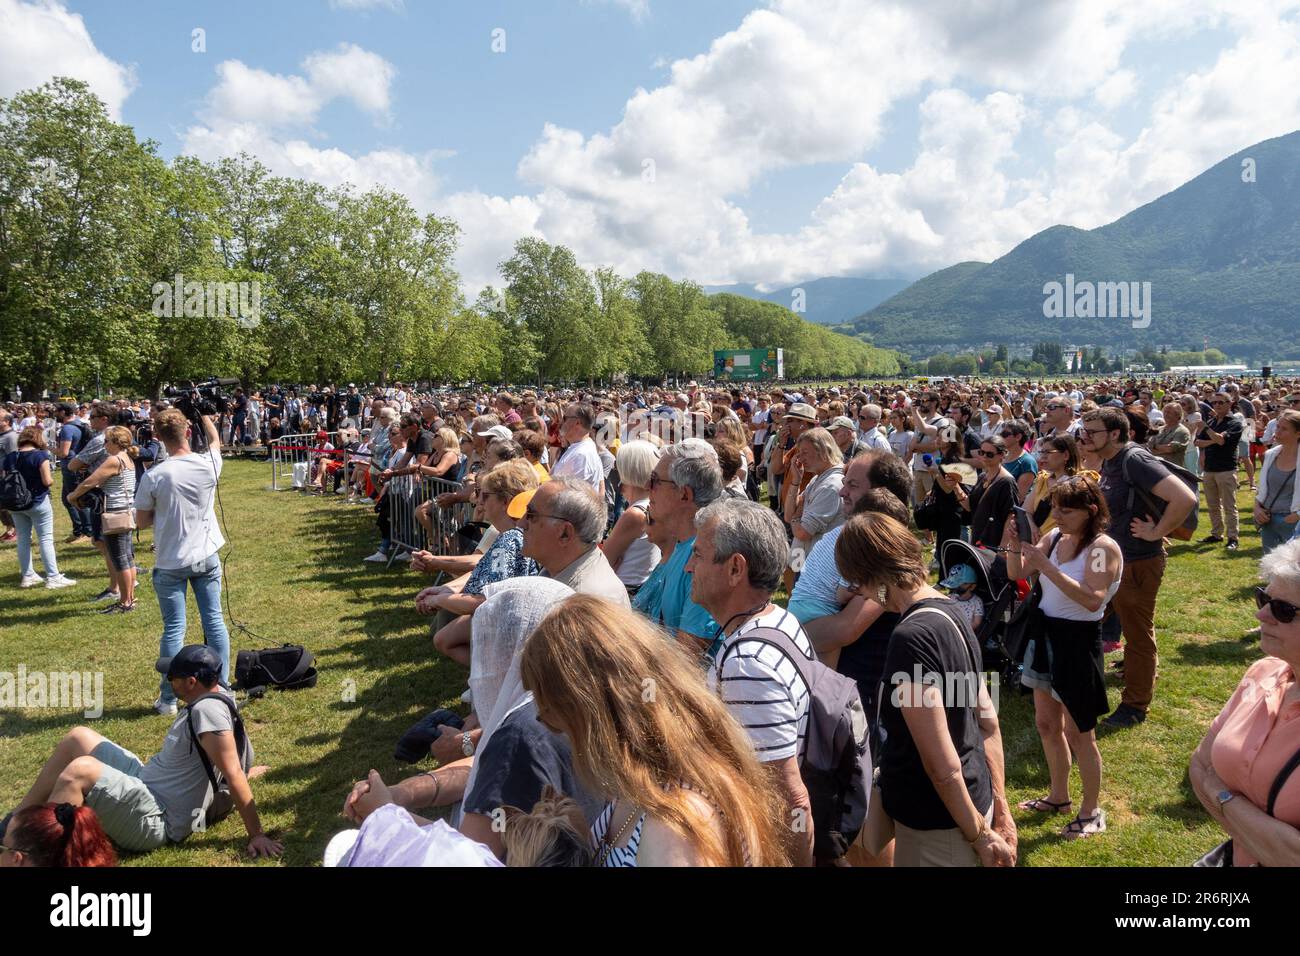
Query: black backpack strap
(1285, 774)
(241, 738)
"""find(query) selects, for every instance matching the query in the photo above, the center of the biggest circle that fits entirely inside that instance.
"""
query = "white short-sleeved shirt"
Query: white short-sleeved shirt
(180, 493)
(581, 460)
(762, 687)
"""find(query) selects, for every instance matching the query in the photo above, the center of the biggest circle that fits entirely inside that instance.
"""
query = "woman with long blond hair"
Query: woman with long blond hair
(682, 784)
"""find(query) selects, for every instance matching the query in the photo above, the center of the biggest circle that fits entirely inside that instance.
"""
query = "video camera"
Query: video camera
(196, 399)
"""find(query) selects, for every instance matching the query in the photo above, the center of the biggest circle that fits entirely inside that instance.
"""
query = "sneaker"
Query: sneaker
(108, 594)
(58, 581)
(1125, 716)
(165, 709)
(30, 580)
(1232, 544)
(1212, 539)
(404, 556)
(118, 609)
(377, 558)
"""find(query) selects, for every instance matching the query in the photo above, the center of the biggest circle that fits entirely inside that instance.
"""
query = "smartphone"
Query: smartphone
(1024, 527)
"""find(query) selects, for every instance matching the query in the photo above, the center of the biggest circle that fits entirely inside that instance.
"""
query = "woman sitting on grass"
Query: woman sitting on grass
(516, 757)
(504, 559)
(55, 834)
(1246, 772)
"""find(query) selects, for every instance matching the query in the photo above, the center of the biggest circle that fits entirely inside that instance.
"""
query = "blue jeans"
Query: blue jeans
(80, 516)
(41, 517)
(1277, 532)
(169, 586)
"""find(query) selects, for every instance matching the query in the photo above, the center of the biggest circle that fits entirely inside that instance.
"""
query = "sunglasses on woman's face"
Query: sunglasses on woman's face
(988, 454)
(1284, 611)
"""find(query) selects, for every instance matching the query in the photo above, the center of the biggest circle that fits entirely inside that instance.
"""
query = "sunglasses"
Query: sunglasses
(988, 454)
(656, 481)
(1284, 611)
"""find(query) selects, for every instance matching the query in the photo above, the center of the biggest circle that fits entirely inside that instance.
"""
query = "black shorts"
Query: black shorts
(121, 550)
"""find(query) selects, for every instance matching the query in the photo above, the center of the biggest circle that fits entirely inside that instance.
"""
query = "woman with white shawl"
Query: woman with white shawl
(516, 756)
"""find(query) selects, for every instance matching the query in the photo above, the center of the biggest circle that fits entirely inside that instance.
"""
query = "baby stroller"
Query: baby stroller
(1001, 634)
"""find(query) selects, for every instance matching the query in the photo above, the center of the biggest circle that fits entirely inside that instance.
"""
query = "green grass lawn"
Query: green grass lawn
(294, 573)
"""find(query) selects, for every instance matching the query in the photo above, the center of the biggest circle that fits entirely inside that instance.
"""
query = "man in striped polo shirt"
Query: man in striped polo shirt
(739, 554)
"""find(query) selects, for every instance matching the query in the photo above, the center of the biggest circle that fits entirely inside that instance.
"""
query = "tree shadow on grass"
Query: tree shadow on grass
(375, 639)
(15, 724)
(1219, 652)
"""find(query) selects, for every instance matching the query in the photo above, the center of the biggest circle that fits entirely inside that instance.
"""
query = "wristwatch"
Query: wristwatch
(1224, 796)
(466, 745)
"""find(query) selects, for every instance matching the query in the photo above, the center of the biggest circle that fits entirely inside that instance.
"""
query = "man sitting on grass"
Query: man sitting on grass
(144, 806)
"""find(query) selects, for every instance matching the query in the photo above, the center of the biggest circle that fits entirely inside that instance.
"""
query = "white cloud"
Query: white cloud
(245, 94)
(265, 114)
(819, 81)
(1115, 89)
(39, 41)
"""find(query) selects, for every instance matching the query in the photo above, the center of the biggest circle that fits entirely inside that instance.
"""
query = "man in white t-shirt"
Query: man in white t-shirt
(175, 498)
(928, 441)
(581, 459)
(737, 561)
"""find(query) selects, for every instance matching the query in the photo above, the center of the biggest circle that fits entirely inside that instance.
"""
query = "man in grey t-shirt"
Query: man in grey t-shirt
(143, 806)
(1125, 470)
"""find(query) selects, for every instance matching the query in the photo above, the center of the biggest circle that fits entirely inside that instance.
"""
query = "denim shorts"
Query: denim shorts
(121, 550)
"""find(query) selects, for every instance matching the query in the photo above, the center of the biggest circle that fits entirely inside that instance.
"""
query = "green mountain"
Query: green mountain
(1221, 254)
(830, 300)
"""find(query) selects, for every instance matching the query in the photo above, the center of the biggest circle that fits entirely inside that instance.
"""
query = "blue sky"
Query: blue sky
(788, 139)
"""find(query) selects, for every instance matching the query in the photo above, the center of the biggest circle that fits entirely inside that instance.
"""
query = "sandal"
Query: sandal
(1081, 827)
(1043, 805)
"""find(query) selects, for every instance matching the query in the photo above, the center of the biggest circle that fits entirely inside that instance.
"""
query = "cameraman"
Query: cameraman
(175, 498)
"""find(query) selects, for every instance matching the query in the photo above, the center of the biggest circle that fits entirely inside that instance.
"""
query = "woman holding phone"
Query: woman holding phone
(1079, 569)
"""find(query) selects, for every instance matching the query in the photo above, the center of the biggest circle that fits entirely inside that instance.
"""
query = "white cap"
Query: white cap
(496, 431)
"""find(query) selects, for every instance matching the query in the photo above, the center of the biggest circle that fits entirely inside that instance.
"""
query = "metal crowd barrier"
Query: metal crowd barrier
(405, 494)
(290, 450)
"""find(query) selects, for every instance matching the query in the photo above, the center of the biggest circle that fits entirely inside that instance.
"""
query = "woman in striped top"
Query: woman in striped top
(682, 784)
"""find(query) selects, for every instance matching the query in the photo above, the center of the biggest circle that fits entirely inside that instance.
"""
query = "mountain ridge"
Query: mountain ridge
(1224, 267)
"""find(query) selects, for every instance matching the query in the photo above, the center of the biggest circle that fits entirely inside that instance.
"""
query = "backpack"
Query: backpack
(836, 766)
(222, 799)
(86, 436)
(1155, 506)
(288, 667)
(14, 493)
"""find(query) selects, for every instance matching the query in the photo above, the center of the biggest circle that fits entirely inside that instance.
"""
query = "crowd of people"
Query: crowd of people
(656, 582)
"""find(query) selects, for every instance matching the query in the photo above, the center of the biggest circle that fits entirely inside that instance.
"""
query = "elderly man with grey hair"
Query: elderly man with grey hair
(737, 560)
(563, 523)
(869, 433)
(686, 478)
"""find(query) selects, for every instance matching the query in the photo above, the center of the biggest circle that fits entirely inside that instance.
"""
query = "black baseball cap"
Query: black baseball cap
(189, 661)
